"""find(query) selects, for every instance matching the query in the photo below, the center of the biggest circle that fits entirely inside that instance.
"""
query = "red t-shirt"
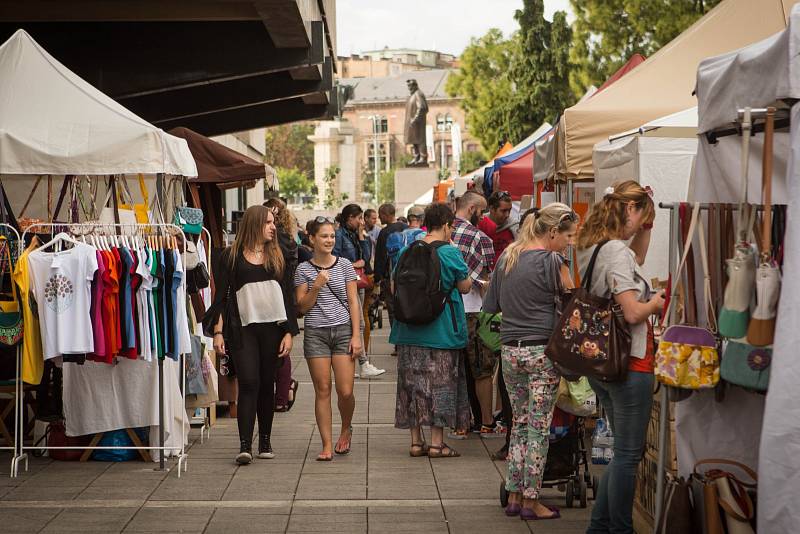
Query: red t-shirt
(500, 240)
(645, 365)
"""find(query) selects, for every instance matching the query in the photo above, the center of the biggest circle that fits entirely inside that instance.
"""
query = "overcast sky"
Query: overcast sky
(444, 25)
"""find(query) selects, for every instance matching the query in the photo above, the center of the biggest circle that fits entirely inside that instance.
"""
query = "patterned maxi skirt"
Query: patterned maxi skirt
(431, 388)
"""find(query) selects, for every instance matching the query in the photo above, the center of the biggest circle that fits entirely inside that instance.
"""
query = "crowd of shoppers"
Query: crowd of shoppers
(482, 260)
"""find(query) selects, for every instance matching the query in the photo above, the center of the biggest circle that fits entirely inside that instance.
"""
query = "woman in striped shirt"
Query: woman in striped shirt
(327, 295)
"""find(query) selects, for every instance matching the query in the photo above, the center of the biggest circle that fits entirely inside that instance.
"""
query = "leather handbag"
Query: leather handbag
(688, 355)
(761, 330)
(11, 324)
(677, 513)
(591, 337)
(723, 503)
(364, 280)
(741, 268)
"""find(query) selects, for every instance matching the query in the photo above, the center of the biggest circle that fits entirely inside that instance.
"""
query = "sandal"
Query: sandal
(451, 452)
(281, 408)
(526, 514)
(293, 386)
(325, 457)
(423, 450)
(349, 442)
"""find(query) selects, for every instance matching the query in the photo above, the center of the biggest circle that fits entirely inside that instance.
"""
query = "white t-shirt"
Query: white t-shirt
(472, 301)
(61, 284)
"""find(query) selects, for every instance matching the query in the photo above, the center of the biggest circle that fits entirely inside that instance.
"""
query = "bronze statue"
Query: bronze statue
(416, 113)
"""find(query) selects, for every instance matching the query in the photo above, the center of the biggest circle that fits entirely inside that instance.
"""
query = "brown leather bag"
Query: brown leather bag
(591, 337)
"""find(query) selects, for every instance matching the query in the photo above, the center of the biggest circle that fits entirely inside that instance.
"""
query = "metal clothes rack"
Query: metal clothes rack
(182, 457)
(18, 392)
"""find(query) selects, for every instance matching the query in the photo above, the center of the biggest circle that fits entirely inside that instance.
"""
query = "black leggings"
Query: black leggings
(256, 365)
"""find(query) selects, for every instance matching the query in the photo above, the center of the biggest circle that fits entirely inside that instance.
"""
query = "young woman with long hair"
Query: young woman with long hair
(254, 294)
(523, 288)
(625, 213)
(327, 295)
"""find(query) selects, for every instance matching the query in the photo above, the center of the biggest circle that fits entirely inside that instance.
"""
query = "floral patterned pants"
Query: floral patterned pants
(532, 385)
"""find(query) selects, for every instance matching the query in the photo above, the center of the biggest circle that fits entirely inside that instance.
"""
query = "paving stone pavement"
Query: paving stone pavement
(377, 488)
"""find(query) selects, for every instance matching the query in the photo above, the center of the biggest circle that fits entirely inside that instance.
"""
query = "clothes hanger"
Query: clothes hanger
(60, 238)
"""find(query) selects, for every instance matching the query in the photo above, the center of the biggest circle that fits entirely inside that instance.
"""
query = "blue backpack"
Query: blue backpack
(399, 240)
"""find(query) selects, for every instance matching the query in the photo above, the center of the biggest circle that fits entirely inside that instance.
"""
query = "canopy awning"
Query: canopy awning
(217, 163)
(53, 122)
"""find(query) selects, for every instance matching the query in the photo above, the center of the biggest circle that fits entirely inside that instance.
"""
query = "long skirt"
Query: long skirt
(431, 388)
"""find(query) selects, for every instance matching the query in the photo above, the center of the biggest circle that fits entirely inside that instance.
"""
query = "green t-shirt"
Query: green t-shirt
(439, 334)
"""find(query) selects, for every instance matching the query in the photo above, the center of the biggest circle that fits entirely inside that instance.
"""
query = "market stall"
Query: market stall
(55, 124)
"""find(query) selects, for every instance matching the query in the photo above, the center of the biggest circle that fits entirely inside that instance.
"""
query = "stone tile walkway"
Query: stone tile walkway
(377, 488)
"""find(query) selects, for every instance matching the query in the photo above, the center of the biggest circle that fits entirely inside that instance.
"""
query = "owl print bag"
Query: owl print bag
(591, 337)
(688, 355)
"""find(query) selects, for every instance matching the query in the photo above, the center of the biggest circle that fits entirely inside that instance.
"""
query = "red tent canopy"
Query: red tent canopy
(516, 177)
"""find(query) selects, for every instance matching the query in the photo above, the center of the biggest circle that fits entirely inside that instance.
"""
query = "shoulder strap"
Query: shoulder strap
(318, 269)
(742, 232)
(766, 179)
(687, 247)
(587, 279)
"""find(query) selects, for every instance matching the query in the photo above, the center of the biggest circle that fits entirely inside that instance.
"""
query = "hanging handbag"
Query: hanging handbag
(11, 325)
(688, 355)
(140, 211)
(591, 337)
(719, 494)
(741, 268)
(113, 215)
(761, 331)
(746, 365)
(488, 330)
(189, 219)
(677, 515)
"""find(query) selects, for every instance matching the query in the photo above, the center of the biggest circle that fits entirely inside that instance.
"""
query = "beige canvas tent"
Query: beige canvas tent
(664, 83)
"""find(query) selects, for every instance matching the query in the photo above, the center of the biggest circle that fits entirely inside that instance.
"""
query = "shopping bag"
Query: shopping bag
(577, 398)
(195, 383)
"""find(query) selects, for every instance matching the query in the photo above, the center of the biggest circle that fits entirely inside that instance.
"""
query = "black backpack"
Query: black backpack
(418, 294)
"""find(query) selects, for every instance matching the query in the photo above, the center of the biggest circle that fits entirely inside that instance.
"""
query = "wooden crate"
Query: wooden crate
(644, 505)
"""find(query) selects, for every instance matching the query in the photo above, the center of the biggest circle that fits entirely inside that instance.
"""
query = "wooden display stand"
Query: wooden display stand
(644, 503)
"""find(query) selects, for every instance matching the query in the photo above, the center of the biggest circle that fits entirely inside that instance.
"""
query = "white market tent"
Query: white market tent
(766, 73)
(663, 83)
(660, 154)
(53, 122)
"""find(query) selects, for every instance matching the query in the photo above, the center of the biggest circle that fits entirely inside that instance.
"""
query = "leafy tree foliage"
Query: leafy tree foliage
(288, 146)
(606, 33)
(293, 182)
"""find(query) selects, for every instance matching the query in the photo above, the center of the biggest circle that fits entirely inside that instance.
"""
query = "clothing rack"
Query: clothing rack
(164, 229)
(18, 386)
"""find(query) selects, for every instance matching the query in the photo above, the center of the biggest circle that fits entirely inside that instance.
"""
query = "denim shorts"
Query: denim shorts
(326, 341)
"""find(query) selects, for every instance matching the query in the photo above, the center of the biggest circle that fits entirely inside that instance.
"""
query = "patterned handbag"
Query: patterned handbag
(688, 356)
(746, 365)
(591, 337)
(11, 325)
(189, 219)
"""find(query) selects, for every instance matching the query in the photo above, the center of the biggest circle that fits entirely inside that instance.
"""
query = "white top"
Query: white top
(261, 302)
(61, 284)
(472, 301)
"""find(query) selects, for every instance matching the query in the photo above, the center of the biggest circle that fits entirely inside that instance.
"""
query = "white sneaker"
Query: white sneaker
(368, 370)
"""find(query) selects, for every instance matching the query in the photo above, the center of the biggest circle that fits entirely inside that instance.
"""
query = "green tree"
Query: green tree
(385, 184)
(293, 182)
(333, 199)
(482, 82)
(510, 86)
(539, 70)
(288, 146)
(606, 33)
(471, 160)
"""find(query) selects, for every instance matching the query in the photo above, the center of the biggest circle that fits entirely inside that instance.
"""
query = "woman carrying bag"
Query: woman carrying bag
(626, 212)
(253, 316)
(327, 295)
(523, 288)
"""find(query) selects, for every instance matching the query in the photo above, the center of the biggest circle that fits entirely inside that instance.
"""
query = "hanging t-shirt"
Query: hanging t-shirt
(32, 359)
(96, 312)
(182, 334)
(143, 306)
(61, 284)
(126, 305)
(116, 275)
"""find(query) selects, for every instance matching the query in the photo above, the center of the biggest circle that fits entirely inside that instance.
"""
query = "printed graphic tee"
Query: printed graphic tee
(61, 284)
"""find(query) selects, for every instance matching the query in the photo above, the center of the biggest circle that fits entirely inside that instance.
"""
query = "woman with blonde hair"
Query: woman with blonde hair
(253, 316)
(625, 213)
(523, 287)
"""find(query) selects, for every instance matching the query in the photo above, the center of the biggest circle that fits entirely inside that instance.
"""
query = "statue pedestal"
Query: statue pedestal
(412, 182)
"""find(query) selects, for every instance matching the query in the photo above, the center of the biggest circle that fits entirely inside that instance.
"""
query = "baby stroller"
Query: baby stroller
(567, 464)
(375, 314)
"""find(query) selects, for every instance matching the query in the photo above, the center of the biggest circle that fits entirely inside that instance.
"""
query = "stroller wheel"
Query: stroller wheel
(595, 485)
(583, 493)
(503, 494)
(569, 497)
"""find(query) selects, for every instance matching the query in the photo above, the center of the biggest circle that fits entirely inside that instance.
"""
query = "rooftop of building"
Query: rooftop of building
(394, 89)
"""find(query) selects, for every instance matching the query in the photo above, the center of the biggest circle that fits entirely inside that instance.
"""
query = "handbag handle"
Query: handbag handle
(686, 249)
(766, 179)
(6, 245)
(587, 279)
(719, 461)
(747, 125)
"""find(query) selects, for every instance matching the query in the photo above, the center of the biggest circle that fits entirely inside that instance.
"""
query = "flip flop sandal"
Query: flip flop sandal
(293, 387)
(423, 450)
(325, 457)
(529, 515)
(281, 408)
(451, 452)
(349, 442)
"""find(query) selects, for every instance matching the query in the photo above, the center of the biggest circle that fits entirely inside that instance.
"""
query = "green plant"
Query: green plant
(333, 199)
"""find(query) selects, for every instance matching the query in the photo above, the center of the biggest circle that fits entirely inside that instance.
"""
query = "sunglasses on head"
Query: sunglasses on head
(502, 195)
(321, 220)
